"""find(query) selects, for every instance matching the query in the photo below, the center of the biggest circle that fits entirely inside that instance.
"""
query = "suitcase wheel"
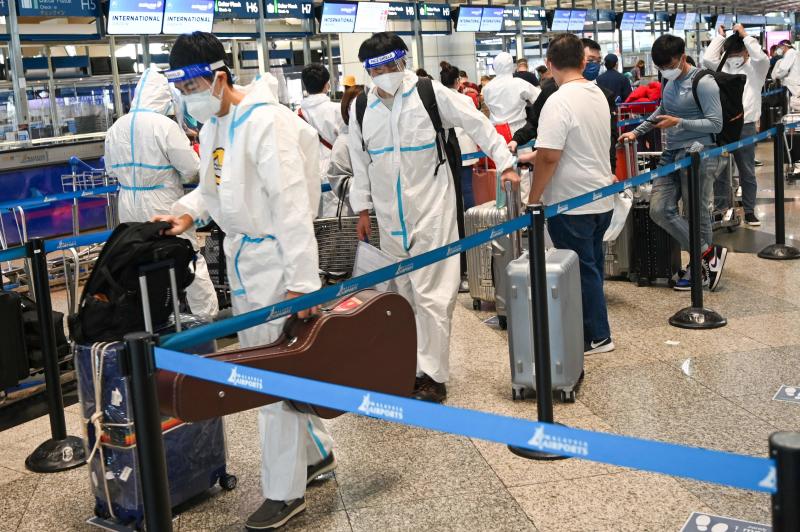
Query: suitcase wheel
(517, 394)
(642, 281)
(228, 482)
(100, 512)
(567, 396)
(476, 304)
(502, 321)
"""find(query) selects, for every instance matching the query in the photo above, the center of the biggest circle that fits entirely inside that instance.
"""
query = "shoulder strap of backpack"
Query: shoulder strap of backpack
(695, 82)
(321, 139)
(428, 97)
(361, 108)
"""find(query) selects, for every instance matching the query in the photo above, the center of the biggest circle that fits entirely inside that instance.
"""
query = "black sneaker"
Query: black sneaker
(427, 389)
(751, 219)
(274, 514)
(713, 263)
(601, 346)
(758, 163)
(326, 465)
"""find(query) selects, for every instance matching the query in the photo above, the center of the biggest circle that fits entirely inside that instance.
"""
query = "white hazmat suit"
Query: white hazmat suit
(151, 157)
(416, 209)
(268, 182)
(507, 96)
(787, 69)
(326, 117)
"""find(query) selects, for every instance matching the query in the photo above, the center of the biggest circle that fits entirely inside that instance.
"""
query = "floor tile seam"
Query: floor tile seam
(28, 503)
(581, 477)
(755, 415)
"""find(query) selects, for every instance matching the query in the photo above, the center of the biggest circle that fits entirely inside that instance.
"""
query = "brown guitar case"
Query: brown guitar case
(367, 340)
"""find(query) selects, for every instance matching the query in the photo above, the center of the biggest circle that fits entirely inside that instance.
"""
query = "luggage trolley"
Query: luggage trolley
(639, 111)
(87, 178)
(791, 138)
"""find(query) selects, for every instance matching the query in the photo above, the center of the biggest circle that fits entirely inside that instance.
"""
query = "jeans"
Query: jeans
(669, 189)
(746, 163)
(466, 187)
(583, 233)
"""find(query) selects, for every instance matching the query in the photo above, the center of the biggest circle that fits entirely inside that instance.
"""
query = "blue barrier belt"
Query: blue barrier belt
(76, 241)
(744, 472)
(253, 318)
(140, 188)
(50, 198)
(14, 253)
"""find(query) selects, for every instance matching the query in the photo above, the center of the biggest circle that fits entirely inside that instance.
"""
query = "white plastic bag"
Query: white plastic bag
(622, 207)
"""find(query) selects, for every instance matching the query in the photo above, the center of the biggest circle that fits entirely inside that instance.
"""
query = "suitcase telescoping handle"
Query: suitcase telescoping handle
(512, 212)
(630, 159)
(173, 284)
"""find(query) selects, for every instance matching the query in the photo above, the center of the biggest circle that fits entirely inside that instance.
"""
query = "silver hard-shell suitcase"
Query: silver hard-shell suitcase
(565, 317)
(479, 259)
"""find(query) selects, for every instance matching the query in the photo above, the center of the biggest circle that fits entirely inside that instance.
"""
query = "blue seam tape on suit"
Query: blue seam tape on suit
(740, 471)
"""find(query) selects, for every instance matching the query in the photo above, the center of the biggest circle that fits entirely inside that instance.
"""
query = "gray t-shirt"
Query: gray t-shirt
(696, 125)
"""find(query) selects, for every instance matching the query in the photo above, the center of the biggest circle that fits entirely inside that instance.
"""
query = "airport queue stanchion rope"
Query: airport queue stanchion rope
(696, 316)
(784, 448)
(141, 369)
(779, 250)
(61, 452)
(541, 329)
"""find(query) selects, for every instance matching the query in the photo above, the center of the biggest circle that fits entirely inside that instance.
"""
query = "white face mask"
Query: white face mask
(671, 74)
(736, 62)
(203, 105)
(779, 52)
(389, 82)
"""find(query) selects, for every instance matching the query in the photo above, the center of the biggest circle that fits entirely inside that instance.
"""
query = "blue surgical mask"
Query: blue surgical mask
(591, 71)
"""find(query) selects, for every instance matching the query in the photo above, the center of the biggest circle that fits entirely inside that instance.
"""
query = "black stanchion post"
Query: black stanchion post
(779, 250)
(541, 329)
(60, 452)
(696, 316)
(784, 448)
(140, 359)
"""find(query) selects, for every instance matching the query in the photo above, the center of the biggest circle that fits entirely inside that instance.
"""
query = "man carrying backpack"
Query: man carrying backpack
(692, 114)
(400, 171)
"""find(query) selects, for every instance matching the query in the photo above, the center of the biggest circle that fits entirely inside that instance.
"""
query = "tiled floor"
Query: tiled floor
(706, 388)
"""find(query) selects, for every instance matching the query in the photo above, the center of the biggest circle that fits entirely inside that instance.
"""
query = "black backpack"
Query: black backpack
(447, 148)
(34, 333)
(110, 305)
(731, 93)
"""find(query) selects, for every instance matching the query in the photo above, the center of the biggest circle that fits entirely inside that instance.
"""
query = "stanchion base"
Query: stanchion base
(535, 455)
(697, 318)
(779, 252)
(57, 455)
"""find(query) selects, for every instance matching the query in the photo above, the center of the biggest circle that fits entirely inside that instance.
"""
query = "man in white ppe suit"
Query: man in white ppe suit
(746, 57)
(259, 180)
(507, 96)
(787, 70)
(326, 117)
(396, 171)
(151, 157)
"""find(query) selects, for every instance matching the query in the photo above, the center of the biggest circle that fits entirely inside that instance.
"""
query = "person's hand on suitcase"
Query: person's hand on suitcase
(363, 227)
(510, 175)
(630, 135)
(512, 146)
(303, 314)
(179, 224)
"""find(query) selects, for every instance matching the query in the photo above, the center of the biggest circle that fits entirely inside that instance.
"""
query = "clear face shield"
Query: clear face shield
(200, 88)
(387, 71)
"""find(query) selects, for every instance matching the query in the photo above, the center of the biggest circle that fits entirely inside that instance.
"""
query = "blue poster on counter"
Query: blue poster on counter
(56, 8)
(224, 9)
(338, 18)
(135, 17)
(186, 16)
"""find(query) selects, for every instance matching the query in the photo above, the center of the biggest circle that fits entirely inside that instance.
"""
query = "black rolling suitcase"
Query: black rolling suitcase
(656, 256)
(13, 355)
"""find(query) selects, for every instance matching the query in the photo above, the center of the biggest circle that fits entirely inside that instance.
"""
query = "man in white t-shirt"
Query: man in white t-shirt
(572, 159)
